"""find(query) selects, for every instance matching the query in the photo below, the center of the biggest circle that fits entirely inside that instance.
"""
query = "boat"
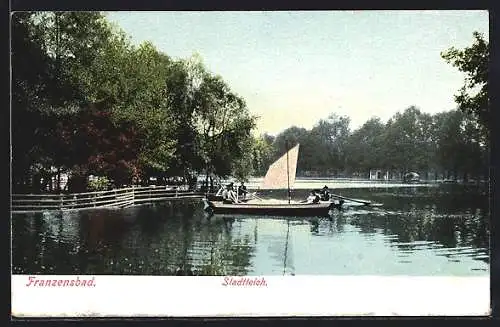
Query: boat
(280, 175)
(272, 209)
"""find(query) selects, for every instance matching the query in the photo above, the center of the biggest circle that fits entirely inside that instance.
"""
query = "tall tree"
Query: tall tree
(407, 141)
(365, 147)
(223, 123)
(473, 96)
(331, 137)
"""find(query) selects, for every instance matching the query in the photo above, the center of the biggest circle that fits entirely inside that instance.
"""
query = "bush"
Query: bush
(99, 184)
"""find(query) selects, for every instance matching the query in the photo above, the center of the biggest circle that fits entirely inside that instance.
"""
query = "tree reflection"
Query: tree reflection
(426, 223)
(230, 254)
(146, 240)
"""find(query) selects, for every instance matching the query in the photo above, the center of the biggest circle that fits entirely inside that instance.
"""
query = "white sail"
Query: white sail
(277, 176)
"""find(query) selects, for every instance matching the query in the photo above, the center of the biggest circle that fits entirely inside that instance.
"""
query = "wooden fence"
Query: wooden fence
(118, 198)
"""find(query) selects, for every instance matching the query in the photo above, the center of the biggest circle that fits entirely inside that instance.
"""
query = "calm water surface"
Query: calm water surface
(417, 231)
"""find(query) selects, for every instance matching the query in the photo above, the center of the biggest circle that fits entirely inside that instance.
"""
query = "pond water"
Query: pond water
(439, 230)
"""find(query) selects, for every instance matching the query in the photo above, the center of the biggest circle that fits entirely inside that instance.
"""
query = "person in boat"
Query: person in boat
(225, 194)
(229, 195)
(325, 194)
(313, 197)
(232, 194)
(242, 190)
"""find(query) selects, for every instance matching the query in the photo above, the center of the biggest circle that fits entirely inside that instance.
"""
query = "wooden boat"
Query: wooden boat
(280, 175)
(271, 209)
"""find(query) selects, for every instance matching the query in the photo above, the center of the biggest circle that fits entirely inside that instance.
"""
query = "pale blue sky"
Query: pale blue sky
(296, 67)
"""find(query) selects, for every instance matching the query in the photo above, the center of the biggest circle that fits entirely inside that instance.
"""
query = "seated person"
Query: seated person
(242, 190)
(229, 195)
(225, 195)
(313, 197)
(325, 194)
(232, 196)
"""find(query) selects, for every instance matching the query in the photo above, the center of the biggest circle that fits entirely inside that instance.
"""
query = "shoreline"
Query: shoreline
(307, 186)
(301, 184)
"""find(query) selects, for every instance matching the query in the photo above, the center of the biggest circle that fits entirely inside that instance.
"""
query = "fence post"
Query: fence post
(116, 197)
(74, 201)
(133, 194)
(61, 201)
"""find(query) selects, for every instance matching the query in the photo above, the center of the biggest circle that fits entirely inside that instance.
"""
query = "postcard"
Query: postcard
(250, 163)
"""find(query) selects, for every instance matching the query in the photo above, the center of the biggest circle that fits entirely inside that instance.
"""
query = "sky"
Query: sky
(297, 67)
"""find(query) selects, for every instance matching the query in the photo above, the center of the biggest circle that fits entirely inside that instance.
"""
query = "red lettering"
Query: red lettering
(31, 280)
(225, 282)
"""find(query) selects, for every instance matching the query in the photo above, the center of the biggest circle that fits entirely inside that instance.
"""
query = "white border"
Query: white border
(176, 296)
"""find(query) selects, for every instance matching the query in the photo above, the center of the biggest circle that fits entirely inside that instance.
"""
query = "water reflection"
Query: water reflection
(418, 231)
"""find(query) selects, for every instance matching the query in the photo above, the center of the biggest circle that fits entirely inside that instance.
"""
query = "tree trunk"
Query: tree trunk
(59, 180)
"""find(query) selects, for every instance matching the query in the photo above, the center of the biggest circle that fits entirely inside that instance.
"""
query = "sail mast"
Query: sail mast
(288, 172)
(286, 247)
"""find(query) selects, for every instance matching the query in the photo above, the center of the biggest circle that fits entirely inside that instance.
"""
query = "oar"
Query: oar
(349, 199)
(257, 197)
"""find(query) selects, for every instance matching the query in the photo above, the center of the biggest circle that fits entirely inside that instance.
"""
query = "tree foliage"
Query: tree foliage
(472, 98)
(96, 104)
(446, 144)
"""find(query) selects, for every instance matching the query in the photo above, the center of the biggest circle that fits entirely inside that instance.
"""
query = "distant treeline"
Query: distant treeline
(86, 101)
(446, 145)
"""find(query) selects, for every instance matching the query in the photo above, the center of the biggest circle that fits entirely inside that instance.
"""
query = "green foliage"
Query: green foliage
(322, 149)
(223, 124)
(100, 183)
(364, 147)
(408, 138)
(262, 152)
(98, 104)
(243, 167)
(473, 96)
(447, 144)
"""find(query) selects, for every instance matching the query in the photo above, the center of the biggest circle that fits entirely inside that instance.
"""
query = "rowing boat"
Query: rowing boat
(280, 175)
(271, 209)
